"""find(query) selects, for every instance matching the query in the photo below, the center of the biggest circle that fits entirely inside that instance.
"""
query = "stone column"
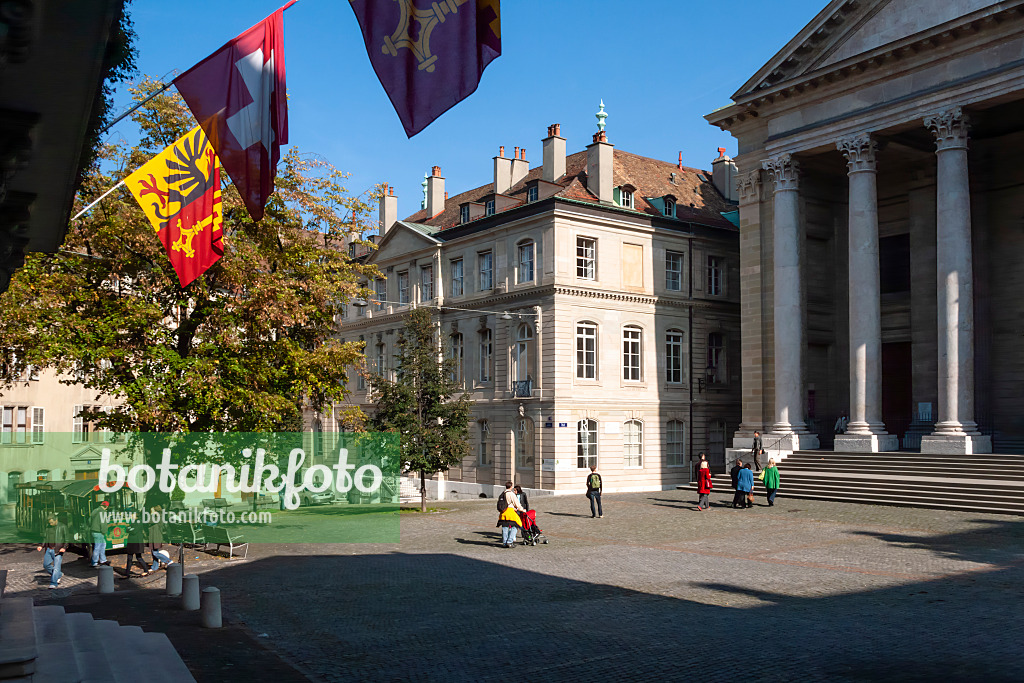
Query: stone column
(788, 307)
(956, 431)
(865, 431)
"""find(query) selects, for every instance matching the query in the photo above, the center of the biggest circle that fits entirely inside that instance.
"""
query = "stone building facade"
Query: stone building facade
(881, 229)
(592, 302)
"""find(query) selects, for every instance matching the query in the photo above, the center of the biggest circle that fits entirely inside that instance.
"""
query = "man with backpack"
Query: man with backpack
(509, 518)
(594, 492)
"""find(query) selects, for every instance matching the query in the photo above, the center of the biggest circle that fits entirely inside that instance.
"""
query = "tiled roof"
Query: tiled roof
(697, 200)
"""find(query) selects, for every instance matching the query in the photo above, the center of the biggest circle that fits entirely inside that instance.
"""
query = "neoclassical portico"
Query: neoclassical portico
(877, 259)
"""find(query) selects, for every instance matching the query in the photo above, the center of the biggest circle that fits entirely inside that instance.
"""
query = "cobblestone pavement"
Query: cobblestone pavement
(803, 591)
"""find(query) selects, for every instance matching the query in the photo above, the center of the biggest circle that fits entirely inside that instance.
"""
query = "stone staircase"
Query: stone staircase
(977, 483)
(409, 490)
(42, 644)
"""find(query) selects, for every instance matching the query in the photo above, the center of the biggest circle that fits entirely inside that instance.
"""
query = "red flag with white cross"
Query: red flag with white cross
(238, 96)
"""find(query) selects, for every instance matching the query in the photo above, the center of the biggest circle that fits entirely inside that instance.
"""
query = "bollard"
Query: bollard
(211, 607)
(105, 579)
(190, 593)
(173, 585)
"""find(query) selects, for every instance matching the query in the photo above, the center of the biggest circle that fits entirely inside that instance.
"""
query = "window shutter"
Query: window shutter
(77, 426)
(617, 196)
(37, 425)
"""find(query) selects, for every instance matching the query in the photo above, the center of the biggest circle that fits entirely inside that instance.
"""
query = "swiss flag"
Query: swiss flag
(238, 96)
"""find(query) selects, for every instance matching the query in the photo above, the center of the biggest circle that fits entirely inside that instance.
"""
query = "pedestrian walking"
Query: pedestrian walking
(745, 487)
(704, 485)
(161, 558)
(734, 474)
(134, 547)
(98, 529)
(509, 520)
(594, 486)
(756, 449)
(770, 477)
(55, 542)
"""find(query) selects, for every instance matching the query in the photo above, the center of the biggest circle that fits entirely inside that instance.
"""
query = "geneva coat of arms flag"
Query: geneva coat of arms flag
(238, 96)
(429, 56)
(179, 191)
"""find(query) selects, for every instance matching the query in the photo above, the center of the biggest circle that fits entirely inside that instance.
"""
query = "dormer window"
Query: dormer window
(626, 196)
(464, 213)
(670, 206)
(531, 193)
(489, 208)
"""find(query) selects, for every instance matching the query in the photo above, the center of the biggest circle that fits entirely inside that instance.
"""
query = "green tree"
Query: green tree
(246, 347)
(422, 402)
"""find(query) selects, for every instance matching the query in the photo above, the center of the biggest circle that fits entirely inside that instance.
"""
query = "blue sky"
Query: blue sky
(659, 66)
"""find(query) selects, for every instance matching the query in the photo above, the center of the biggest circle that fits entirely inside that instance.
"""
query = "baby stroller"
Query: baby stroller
(531, 532)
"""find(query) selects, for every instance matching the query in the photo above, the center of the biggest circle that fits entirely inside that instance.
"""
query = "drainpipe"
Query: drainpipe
(689, 337)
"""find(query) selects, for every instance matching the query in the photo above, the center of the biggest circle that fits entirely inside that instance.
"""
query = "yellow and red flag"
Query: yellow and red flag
(179, 191)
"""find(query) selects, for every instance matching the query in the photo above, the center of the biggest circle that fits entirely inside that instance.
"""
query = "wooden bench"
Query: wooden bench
(218, 536)
(215, 503)
(186, 534)
(265, 501)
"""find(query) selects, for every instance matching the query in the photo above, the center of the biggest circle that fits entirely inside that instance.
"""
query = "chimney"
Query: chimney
(502, 172)
(520, 166)
(723, 175)
(680, 161)
(435, 192)
(388, 209)
(554, 154)
(600, 158)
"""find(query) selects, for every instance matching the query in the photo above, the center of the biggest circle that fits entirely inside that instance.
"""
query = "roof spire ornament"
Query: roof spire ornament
(601, 116)
(423, 203)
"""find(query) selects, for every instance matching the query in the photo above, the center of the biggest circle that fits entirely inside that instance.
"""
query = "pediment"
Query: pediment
(400, 241)
(847, 28)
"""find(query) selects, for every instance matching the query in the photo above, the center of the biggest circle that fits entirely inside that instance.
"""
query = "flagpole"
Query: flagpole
(111, 124)
(79, 214)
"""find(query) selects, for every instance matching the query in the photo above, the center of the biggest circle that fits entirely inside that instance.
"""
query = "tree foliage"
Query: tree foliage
(422, 402)
(245, 347)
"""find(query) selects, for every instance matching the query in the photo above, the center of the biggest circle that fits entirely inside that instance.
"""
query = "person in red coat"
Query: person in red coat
(704, 485)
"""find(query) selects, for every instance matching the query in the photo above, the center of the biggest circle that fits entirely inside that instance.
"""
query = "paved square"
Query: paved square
(804, 591)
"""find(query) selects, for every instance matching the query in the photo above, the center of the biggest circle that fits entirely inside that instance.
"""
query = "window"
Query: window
(381, 359)
(716, 358)
(626, 197)
(715, 275)
(38, 425)
(531, 193)
(489, 207)
(521, 354)
(13, 479)
(674, 357)
(670, 207)
(456, 277)
(525, 270)
(464, 213)
(85, 430)
(586, 258)
(524, 443)
(486, 262)
(631, 353)
(633, 444)
(673, 271)
(403, 287)
(675, 435)
(486, 457)
(486, 354)
(380, 288)
(15, 426)
(586, 444)
(426, 283)
(456, 355)
(586, 351)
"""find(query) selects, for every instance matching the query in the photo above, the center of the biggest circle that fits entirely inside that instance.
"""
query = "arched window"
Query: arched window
(632, 353)
(675, 439)
(633, 443)
(457, 357)
(524, 269)
(13, 479)
(524, 443)
(586, 350)
(670, 206)
(486, 457)
(674, 367)
(586, 444)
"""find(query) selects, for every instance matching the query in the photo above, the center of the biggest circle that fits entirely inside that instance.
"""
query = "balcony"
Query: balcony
(522, 389)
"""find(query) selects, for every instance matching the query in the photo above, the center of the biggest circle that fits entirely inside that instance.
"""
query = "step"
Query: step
(89, 652)
(56, 660)
(1011, 495)
(970, 507)
(136, 652)
(18, 649)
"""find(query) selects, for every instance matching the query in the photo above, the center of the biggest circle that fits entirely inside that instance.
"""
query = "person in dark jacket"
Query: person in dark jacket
(756, 449)
(523, 500)
(745, 486)
(594, 486)
(98, 529)
(161, 558)
(55, 542)
(135, 546)
(734, 473)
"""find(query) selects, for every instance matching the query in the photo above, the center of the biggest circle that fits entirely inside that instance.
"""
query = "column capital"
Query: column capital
(950, 128)
(784, 171)
(748, 185)
(859, 151)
